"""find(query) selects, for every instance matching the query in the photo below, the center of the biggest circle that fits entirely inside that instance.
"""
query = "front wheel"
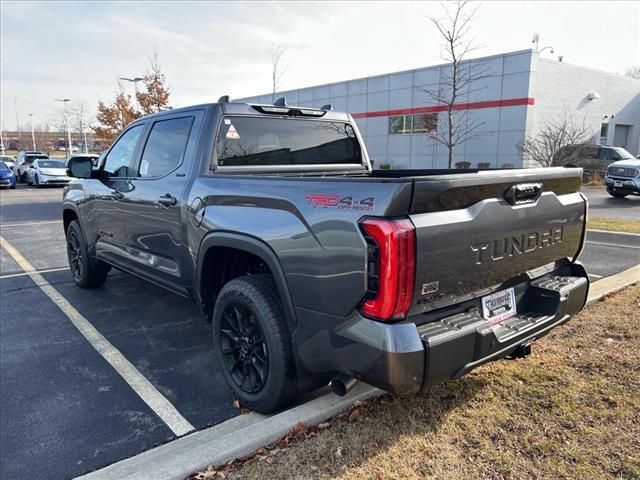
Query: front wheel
(617, 194)
(37, 182)
(252, 344)
(85, 271)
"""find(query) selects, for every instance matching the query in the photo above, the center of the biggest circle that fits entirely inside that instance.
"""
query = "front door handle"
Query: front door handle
(167, 200)
(116, 195)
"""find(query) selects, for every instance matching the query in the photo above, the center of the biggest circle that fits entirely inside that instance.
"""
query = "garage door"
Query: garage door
(621, 135)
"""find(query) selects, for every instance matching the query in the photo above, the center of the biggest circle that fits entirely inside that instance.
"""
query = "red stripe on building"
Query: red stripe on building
(511, 102)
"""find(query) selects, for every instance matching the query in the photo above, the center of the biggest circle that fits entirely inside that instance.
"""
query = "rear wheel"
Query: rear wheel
(85, 271)
(252, 344)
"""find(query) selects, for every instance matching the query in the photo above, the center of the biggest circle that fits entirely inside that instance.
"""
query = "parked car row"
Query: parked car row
(37, 168)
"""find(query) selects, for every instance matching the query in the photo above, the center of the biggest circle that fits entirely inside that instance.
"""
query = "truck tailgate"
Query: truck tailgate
(476, 231)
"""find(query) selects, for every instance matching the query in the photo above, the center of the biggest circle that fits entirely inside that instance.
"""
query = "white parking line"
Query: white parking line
(595, 276)
(48, 270)
(613, 245)
(143, 387)
(24, 224)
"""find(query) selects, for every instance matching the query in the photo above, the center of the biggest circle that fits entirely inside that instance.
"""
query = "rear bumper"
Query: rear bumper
(407, 357)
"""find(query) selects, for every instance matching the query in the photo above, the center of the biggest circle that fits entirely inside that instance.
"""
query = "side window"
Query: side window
(165, 147)
(120, 159)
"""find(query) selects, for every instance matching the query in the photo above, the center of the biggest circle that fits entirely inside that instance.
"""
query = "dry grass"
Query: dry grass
(568, 411)
(614, 224)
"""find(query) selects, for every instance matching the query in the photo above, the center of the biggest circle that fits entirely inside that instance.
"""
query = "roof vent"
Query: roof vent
(224, 99)
(328, 106)
(281, 102)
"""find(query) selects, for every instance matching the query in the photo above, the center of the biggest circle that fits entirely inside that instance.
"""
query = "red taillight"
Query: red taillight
(395, 242)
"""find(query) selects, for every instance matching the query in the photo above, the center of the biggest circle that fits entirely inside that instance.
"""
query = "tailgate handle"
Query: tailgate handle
(523, 193)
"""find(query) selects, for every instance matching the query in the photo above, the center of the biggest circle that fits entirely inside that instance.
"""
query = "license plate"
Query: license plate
(499, 306)
(617, 184)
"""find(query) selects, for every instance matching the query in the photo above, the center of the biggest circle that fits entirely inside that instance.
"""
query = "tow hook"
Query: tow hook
(342, 384)
(521, 351)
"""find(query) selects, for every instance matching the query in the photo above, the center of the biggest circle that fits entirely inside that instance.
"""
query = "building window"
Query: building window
(401, 124)
(419, 123)
(604, 133)
(425, 123)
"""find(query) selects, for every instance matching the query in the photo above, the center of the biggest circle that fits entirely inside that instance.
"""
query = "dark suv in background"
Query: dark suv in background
(593, 157)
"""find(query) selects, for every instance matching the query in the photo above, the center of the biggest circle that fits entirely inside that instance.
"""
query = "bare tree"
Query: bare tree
(633, 72)
(459, 78)
(277, 69)
(558, 141)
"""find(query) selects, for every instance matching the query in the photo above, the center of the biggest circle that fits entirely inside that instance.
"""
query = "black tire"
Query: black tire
(617, 194)
(37, 182)
(85, 271)
(259, 342)
(24, 178)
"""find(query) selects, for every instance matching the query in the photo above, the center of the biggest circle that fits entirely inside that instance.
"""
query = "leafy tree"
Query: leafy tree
(114, 117)
(156, 97)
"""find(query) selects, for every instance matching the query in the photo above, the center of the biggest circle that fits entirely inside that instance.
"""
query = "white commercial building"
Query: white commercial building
(517, 93)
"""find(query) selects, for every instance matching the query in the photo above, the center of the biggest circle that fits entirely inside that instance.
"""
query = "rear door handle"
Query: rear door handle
(167, 200)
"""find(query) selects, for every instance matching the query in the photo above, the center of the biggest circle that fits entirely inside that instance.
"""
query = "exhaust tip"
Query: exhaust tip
(342, 384)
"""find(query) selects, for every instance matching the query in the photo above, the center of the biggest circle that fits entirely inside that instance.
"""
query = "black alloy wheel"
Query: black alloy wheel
(75, 254)
(244, 349)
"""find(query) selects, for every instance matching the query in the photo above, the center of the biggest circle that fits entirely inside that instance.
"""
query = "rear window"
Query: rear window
(51, 164)
(264, 141)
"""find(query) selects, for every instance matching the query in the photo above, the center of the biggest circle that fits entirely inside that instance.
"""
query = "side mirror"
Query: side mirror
(31, 166)
(79, 167)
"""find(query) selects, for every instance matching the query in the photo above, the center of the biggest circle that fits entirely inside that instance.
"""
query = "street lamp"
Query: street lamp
(33, 137)
(66, 121)
(135, 86)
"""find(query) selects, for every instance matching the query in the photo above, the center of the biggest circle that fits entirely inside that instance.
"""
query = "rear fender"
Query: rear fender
(255, 247)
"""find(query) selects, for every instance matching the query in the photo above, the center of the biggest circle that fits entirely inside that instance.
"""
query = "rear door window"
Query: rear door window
(120, 159)
(264, 141)
(165, 147)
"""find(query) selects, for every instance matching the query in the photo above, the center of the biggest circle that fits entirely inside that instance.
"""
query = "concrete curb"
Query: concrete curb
(613, 283)
(242, 435)
(235, 438)
(623, 239)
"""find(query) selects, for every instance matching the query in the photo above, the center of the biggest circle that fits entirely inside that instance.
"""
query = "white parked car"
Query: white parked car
(47, 172)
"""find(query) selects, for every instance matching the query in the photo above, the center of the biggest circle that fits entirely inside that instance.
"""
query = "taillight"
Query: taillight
(391, 267)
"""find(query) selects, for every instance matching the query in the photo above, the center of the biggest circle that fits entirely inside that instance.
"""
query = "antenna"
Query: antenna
(224, 99)
(328, 106)
(281, 102)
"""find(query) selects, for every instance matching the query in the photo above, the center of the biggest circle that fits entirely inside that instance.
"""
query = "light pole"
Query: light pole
(33, 136)
(135, 81)
(66, 122)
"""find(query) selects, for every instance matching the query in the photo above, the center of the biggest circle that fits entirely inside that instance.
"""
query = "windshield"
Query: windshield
(51, 164)
(259, 141)
(3, 166)
(623, 153)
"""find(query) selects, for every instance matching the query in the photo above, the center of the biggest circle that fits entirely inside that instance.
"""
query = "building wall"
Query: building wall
(373, 100)
(559, 87)
(516, 93)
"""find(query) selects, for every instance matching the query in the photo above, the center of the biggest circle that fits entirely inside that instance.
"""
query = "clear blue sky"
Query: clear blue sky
(78, 50)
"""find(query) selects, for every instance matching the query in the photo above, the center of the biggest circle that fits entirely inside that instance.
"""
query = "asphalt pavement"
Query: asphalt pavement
(64, 410)
(602, 204)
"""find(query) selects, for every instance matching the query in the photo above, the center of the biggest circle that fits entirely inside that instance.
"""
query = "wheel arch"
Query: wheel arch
(69, 214)
(214, 242)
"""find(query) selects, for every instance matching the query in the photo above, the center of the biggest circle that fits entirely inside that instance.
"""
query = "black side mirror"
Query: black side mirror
(79, 167)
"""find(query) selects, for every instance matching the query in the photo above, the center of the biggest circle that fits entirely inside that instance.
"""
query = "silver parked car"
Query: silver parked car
(623, 178)
(47, 172)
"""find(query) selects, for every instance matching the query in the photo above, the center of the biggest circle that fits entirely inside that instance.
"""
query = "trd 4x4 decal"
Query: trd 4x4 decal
(345, 203)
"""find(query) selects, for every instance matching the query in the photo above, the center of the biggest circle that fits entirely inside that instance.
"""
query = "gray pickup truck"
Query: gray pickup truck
(312, 267)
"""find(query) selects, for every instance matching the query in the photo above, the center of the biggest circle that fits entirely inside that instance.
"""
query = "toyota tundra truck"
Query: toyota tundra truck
(312, 267)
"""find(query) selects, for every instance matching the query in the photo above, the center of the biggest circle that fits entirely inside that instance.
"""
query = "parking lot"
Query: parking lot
(67, 406)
